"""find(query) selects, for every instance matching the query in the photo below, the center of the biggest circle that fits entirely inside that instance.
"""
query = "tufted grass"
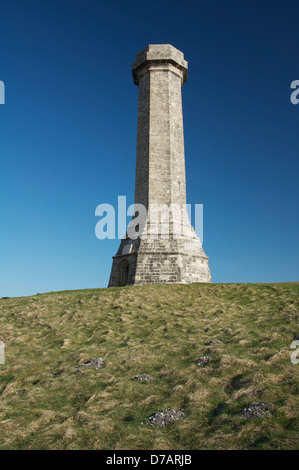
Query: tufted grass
(158, 330)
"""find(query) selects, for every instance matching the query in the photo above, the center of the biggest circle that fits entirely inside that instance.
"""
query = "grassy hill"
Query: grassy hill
(159, 330)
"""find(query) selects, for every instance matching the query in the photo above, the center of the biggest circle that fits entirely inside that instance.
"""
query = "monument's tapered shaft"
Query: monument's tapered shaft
(160, 71)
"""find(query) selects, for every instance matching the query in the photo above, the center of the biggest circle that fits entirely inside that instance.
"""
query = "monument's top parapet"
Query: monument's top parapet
(159, 54)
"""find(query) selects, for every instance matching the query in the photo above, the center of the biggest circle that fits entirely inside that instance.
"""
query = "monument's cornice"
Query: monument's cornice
(159, 55)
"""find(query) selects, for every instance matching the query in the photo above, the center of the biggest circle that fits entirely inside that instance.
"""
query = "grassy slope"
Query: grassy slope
(157, 330)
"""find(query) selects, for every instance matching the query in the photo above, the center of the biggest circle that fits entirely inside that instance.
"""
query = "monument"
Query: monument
(160, 72)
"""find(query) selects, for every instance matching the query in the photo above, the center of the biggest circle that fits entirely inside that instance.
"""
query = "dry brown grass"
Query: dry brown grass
(157, 330)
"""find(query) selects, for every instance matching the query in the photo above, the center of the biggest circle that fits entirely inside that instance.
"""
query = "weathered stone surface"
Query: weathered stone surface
(160, 71)
(96, 363)
(256, 410)
(203, 361)
(163, 418)
(142, 378)
(214, 341)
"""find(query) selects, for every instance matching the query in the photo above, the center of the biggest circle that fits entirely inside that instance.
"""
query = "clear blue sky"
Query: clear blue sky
(68, 133)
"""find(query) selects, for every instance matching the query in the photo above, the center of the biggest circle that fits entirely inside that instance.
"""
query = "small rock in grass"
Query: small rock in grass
(214, 341)
(96, 363)
(163, 418)
(203, 360)
(142, 378)
(256, 410)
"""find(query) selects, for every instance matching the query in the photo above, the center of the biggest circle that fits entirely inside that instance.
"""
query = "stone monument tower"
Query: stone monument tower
(160, 257)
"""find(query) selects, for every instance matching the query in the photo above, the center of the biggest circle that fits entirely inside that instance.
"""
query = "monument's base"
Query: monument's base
(150, 261)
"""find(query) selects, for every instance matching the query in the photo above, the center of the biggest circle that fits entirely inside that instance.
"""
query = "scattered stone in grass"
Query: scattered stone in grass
(142, 378)
(256, 410)
(214, 341)
(163, 418)
(203, 360)
(96, 363)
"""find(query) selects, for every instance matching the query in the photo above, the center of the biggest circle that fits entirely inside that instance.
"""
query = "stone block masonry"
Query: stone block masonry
(160, 71)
